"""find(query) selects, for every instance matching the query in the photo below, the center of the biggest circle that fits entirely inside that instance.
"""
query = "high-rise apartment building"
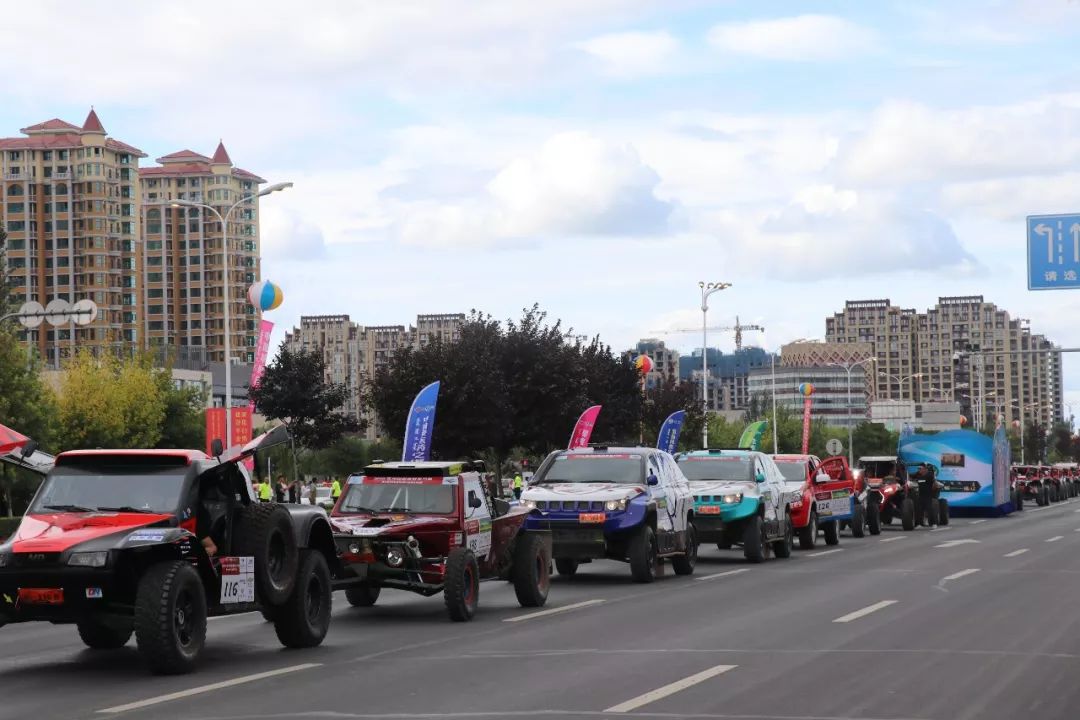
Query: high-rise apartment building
(354, 353)
(183, 275)
(729, 373)
(958, 350)
(69, 203)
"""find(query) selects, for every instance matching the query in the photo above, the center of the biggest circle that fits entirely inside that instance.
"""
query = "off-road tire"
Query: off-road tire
(907, 514)
(782, 548)
(873, 518)
(98, 636)
(831, 529)
(684, 564)
(858, 521)
(1019, 504)
(363, 595)
(754, 539)
(943, 512)
(808, 534)
(930, 511)
(1052, 493)
(1044, 496)
(643, 555)
(304, 619)
(462, 590)
(566, 567)
(532, 570)
(170, 617)
(265, 531)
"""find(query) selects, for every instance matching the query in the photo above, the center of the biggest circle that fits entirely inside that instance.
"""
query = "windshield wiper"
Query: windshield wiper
(394, 509)
(126, 508)
(68, 508)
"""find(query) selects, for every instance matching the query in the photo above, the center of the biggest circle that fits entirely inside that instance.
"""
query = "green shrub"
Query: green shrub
(7, 526)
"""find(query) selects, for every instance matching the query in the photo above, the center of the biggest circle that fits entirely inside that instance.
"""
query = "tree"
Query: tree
(294, 390)
(107, 401)
(874, 439)
(666, 397)
(184, 424)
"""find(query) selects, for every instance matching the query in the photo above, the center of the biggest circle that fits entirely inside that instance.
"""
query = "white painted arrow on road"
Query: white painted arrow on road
(954, 543)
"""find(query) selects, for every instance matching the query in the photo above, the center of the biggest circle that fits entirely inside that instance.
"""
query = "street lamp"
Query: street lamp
(707, 289)
(848, 367)
(900, 380)
(224, 220)
(1022, 408)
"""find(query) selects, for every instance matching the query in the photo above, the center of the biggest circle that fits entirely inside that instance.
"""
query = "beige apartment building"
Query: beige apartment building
(182, 304)
(356, 353)
(945, 354)
(69, 203)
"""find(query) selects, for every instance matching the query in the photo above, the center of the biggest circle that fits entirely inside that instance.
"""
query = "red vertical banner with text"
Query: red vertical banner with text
(241, 431)
(215, 428)
(806, 424)
(261, 350)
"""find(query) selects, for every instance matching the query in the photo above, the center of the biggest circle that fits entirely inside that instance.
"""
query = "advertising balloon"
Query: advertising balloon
(963, 420)
(644, 364)
(806, 389)
(265, 295)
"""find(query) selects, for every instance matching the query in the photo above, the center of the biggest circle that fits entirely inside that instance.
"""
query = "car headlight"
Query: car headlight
(395, 557)
(530, 504)
(615, 505)
(88, 559)
(733, 499)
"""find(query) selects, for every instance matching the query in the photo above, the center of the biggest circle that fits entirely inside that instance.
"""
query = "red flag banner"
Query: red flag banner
(241, 431)
(10, 440)
(261, 349)
(215, 427)
(806, 424)
(584, 427)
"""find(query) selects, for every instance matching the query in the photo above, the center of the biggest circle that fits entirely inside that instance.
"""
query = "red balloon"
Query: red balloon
(644, 364)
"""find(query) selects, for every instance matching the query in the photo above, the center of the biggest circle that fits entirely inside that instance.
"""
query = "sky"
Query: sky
(601, 157)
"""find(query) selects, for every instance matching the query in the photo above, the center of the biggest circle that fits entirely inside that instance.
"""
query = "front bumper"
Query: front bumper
(583, 536)
(25, 594)
(712, 519)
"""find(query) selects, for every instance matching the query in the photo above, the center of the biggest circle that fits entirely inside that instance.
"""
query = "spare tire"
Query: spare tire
(264, 531)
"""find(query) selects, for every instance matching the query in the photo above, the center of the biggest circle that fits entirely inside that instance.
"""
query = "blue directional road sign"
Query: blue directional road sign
(1053, 252)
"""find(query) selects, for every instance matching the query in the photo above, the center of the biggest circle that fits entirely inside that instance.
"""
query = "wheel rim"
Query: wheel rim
(470, 590)
(543, 579)
(313, 596)
(276, 556)
(184, 618)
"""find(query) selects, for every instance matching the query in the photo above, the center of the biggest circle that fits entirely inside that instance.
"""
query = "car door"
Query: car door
(477, 519)
(663, 495)
(680, 491)
(834, 497)
(771, 491)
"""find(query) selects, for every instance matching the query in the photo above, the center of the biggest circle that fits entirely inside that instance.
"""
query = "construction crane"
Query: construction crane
(737, 328)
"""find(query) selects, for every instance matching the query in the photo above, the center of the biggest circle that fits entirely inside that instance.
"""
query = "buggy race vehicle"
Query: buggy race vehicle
(623, 503)
(896, 494)
(434, 527)
(114, 542)
(825, 494)
(1030, 486)
(740, 499)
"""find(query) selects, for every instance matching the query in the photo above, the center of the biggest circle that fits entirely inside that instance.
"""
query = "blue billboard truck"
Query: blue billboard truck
(973, 468)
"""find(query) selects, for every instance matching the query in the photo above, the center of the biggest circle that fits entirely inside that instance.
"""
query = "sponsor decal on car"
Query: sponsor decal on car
(237, 580)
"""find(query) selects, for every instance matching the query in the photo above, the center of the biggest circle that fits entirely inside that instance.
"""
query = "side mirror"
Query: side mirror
(653, 480)
(760, 477)
(29, 449)
(823, 478)
(216, 448)
(474, 501)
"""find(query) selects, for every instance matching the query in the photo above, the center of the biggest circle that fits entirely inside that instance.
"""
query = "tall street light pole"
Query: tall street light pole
(848, 367)
(224, 220)
(707, 289)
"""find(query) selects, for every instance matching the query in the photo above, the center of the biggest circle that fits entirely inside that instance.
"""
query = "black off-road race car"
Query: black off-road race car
(113, 543)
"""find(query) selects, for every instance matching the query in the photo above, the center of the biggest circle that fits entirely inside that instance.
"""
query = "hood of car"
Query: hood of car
(581, 491)
(62, 531)
(723, 487)
(372, 525)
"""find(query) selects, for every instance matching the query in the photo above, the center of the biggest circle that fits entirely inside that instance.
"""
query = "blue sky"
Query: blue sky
(602, 156)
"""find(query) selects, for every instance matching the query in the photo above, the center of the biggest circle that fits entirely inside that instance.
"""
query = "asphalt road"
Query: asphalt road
(973, 621)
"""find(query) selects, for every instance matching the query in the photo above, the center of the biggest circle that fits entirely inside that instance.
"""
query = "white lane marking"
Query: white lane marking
(1055, 538)
(670, 689)
(208, 688)
(954, 543)
(865, 611)
(723, 574)
(554, 611)
(1076, 511)
(976, 522)
(237, 615)
(1014, 553)
(1076, 530)
(940, 529)
(892, 539)
(958, 575)
(825, 552)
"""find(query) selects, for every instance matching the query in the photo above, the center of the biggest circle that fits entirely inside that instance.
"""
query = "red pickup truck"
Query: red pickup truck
(823, 494)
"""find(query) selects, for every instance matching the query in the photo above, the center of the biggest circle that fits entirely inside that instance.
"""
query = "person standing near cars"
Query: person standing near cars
(266, 493)
(335, 490)
(518, 486)
(926, 477)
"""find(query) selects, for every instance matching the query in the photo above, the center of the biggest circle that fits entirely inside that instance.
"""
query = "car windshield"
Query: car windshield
(792, 471)
(734, 469)
(134, 489)
(879, 469)
(626, 468)
(396, 495)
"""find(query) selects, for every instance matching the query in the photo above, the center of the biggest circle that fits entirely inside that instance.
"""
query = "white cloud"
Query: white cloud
(1010, 200)
(632, 54)
(804, 37)
(574, 185)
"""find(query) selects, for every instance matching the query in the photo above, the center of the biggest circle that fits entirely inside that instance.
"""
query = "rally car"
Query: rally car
(890, 490)
(623, 503)
(121, 542)
(1030, 486)
(434, 527)
(825, 494)
(740, 498)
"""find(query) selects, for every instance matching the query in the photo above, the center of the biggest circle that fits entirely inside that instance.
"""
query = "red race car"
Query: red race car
(825, 494)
